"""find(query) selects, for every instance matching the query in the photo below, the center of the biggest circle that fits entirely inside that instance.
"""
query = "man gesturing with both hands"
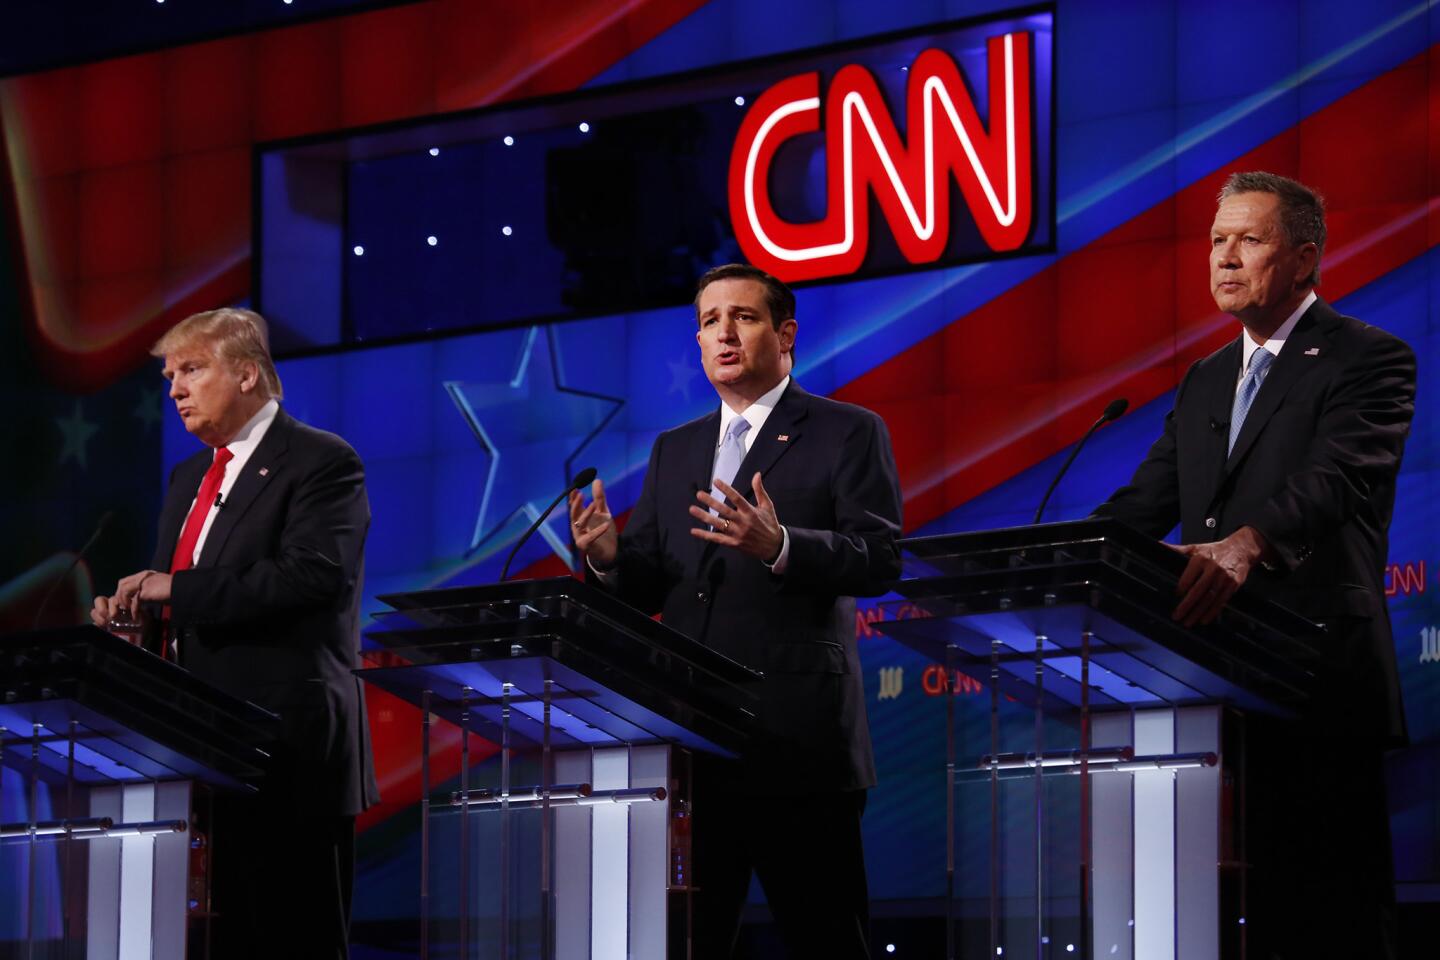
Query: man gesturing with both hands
(757, 526)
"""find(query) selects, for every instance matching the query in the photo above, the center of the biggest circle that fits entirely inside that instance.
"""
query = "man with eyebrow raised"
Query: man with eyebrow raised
(1279, 463)
(756, 528)
(259, 564)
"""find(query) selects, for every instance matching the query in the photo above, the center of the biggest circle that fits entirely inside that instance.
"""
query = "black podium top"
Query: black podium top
(617, 676)
(135, 717)
(1058, 581)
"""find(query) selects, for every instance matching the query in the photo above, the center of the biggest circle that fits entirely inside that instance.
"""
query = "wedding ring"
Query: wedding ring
(726, 528)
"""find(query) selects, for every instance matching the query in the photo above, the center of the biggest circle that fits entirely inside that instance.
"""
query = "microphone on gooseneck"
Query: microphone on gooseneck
(582, 479)
(99, 529)
(1113, 411)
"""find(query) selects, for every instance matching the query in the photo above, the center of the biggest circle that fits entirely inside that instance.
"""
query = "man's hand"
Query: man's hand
(594, 528)
(147, 586)
(1214, 573)
(749, 529)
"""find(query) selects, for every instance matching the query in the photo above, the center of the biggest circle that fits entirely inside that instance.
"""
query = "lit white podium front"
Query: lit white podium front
(1093, 805)
(101, 747)
(578, 844)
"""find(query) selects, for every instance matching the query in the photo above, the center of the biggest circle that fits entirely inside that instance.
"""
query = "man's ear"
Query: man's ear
(249, 375)
(1309, 256)
(787, 334)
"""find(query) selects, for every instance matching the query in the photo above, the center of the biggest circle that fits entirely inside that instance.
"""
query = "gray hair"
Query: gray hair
(1302, 210)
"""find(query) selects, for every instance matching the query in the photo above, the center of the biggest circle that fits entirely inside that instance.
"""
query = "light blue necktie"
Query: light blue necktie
(732, 451)
(1260, 362)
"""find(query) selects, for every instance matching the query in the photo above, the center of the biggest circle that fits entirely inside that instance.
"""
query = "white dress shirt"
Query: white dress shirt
(241, 448)
(1276, 341)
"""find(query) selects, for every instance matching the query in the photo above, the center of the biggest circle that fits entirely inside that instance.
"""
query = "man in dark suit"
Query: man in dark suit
(1279, 462)
(756, 528)
(258, 568)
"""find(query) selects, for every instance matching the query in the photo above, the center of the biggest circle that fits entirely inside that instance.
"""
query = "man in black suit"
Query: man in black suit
(757, 526)
(258, 568)
(1279, 462)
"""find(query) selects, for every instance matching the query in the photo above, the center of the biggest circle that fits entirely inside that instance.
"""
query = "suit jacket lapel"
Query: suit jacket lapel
(1221, 391)
(258, 472)
(781, 431)
(177, 506)
(701, 457)
(1309, 340)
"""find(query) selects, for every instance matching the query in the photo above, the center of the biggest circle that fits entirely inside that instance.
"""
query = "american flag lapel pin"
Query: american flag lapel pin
(783, 437)
(1313, 352)
(264, 471)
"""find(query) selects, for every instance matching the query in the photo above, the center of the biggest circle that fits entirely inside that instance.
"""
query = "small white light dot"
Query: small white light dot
(506, 230)
(584, 127)
(288, 2)
(1069, 948)
(739, 101)
(431, 240)
(1242, 920)
(904, 69)
(1131, 922)
(1044, 939)
(159, 1)
(359, 250)
(434, 151)
(889, 948)
(509, 141)
(999, 950)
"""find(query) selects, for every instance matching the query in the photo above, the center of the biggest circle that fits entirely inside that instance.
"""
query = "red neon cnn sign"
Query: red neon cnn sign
(865, 155)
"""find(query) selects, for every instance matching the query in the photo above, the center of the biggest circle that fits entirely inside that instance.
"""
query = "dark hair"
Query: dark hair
(1302, 210)
(778, 298)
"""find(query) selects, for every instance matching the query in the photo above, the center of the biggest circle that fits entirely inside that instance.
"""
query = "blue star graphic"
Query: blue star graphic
(534, 429)
(149, 410)
(77, 432)
(681, 373)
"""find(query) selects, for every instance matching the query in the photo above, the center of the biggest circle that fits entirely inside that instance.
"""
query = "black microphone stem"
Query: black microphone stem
(99, 529)
(582, 479)
(1112, 412)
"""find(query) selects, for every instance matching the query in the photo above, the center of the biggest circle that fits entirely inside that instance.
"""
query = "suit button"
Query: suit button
(1210, 522)
(703, 597)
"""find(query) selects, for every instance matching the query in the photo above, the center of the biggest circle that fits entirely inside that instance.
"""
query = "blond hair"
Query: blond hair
(233, 334)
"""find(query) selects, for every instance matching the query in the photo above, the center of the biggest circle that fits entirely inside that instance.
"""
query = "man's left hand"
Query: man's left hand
(147, 586)
(749, 529)
(1214, 573)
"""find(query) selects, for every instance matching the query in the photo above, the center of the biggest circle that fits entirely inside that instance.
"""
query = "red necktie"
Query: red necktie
(184, 557)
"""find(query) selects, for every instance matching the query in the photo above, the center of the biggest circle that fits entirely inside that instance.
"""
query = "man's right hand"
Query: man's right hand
(108, 610)
(593, 527)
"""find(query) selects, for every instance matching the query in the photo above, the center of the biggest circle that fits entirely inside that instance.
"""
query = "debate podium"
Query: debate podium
(101, 746)
(1093, 792)
(576, 842)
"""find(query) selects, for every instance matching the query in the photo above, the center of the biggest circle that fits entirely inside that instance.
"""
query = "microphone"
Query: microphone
(1113, 411)
(219, 501)
(582, 479)
(104, 522)
(1219, 426)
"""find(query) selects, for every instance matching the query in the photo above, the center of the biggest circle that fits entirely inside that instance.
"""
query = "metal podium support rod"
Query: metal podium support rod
(87, 828)
(1168, 761)
(489, 795)
(1062, 758)
(595, 798)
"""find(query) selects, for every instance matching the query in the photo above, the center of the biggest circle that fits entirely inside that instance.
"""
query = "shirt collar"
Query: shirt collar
(254, 430)
(757, 413)
(1277, 339)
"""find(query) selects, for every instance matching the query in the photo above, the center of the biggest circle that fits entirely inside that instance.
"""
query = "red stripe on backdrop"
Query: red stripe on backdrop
(131, 177)
(1019, 378)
